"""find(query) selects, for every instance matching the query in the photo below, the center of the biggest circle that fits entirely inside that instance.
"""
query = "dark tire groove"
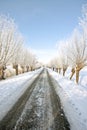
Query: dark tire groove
(30, 119)
(60, 120)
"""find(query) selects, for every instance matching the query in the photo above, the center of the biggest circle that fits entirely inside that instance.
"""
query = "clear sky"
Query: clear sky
(43, 22)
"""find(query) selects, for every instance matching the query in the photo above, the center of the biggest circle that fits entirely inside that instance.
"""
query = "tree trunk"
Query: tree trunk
(77, 76)
(53, 68)
(3, 72)
(22, 69)
(59, 70)
(31, 68)
(27, 68)
(78, 68)
(73, 72)
(56, 69)
(64, 70)
(16, 68)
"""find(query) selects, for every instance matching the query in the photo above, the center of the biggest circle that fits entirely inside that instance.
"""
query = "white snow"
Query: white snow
(73, 98)
(11, 89)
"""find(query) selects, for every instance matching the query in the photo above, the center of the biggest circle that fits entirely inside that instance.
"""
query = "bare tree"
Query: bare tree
(32, 61)
(77, 47)
(28, 59)
(57, 63)
(83, 20)
(77, 53)
(63, 56)
(9, 41)
(73, 52)
(18, 55)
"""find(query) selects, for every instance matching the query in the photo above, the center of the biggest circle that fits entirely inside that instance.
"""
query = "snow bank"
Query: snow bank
(73, 98)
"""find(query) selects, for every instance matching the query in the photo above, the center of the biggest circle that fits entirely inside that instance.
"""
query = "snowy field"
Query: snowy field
(73, 98)
(11, 89)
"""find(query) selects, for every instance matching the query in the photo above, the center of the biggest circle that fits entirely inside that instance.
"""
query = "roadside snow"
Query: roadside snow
(11, 89)
(73, 98)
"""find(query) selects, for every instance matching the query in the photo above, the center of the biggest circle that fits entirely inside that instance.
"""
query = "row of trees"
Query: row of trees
(73, 51)
(12, 48)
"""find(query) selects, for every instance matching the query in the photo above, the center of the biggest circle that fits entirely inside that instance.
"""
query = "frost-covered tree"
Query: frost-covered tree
(51, 64)
(73, 52)
(83, 20)
(57, 63)
(77, 53)
(79, 45)
(9, 41)
(12, 48)
(28, 59)
(16, 61)
(63, 60)
(32, 61)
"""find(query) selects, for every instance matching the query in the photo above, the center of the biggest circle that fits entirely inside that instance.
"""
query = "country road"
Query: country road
(39, 108)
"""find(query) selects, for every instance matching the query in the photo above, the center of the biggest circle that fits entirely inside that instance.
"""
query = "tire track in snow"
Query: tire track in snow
(38, 109)
(60, 121)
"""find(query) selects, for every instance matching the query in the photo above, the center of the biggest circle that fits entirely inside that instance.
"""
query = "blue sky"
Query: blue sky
(43, 22)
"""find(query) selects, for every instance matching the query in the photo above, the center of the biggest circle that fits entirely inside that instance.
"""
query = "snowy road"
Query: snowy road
(38, 108)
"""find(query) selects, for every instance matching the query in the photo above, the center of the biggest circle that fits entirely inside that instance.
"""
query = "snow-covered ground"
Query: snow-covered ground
(73, 98)
(11, 89)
